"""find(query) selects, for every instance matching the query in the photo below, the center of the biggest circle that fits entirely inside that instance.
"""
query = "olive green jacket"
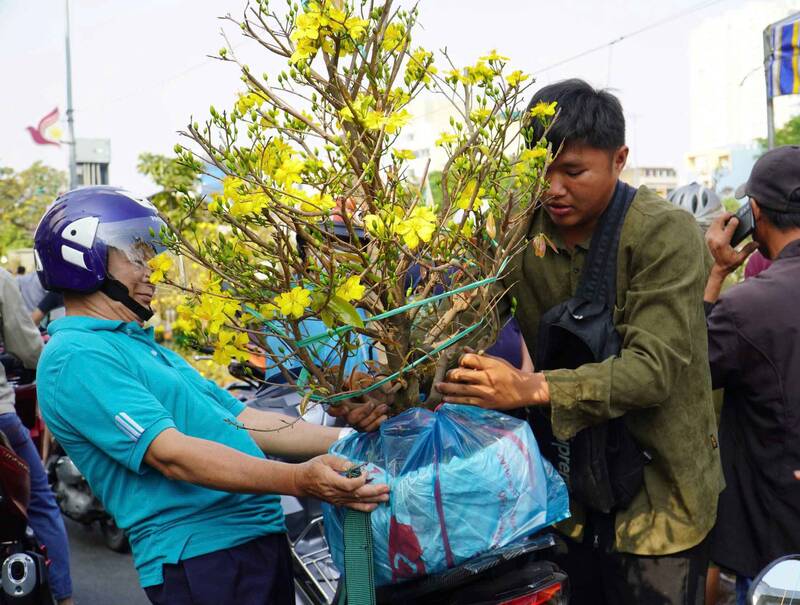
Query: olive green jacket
(660, 382)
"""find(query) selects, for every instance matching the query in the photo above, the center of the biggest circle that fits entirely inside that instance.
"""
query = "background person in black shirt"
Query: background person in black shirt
(754, 353)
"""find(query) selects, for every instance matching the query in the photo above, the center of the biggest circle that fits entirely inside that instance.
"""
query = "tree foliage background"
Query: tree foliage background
(24, 196)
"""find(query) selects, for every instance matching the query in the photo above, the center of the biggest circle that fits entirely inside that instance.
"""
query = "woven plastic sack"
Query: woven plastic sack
(463, 481)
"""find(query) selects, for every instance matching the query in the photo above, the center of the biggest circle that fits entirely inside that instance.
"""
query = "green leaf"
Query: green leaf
(327, 318)
(345, 312)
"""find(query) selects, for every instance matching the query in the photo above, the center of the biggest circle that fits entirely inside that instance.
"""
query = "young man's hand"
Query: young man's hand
(369, 411)
(364, 417)
(493, 383)
(321, 478)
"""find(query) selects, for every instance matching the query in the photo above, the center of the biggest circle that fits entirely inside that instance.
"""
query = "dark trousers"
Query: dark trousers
(258, 572)
(601, 578)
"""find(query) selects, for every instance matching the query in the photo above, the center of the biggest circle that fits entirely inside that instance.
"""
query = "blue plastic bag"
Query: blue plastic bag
(463, 480)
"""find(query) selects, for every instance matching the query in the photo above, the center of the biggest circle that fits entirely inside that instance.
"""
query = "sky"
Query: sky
(141, 69)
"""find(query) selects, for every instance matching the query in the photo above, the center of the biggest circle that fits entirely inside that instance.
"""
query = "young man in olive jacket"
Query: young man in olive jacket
(659, 383)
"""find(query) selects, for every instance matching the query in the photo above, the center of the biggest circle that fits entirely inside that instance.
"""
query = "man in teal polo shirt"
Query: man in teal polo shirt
(159, 445)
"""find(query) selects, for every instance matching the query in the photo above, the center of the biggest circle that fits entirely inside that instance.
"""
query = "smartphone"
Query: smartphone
(746, 226)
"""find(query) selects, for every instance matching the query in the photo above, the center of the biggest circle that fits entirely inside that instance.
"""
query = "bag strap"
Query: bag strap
(359, 580)
(599, 278)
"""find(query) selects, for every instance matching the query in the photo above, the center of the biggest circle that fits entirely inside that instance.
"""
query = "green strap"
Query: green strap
(359, 581)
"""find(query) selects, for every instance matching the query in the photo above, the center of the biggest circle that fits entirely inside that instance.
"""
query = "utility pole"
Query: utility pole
(768, 52)
(73, 168)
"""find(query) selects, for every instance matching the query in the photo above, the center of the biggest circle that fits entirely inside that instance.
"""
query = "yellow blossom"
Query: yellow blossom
(351, 289)
(356, 27)
(396, 121)
(418, 227)
(289, 172)
(247, 101)
(268, 310)
(230, 345)
(362, 106)
(304, 50)
(217, 202)
(480, 115)
(294, 302)
(516, 77)
(455, 75)
(543, 109)
(160, 264)
(532, 155)
(420, 67)
(479, 73)
(214, 308)
(374, 120)
(393, 37)
(317, 203)
(446, 138)
(403, 154)
(465, 201)
(383, 225)
(183, 326)
(493, 56)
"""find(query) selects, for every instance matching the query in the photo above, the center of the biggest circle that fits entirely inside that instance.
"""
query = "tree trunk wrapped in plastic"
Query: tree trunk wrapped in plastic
(463, 480)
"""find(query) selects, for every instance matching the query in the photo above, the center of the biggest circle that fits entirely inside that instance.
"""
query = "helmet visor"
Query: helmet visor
(140, 239)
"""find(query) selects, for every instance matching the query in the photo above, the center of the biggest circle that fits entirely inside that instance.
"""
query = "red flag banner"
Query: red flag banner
(47, 133)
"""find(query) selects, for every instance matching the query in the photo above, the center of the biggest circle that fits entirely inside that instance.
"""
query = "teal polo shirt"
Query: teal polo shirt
(106, 390)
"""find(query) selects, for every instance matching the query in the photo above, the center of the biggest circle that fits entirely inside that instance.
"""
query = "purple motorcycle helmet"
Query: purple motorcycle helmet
(73, 238)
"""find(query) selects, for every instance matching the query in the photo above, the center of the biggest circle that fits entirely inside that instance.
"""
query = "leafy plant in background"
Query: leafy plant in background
(321, 219)
(24, 196)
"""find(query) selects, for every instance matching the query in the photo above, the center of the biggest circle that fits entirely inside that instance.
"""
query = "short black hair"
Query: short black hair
(585, 115)
(21, 270)
(782, 221)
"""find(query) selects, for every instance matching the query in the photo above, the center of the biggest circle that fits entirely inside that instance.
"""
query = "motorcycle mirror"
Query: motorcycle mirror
(777, 584)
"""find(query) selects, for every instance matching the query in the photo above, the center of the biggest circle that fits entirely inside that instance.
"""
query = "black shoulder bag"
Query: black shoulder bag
(602, 465)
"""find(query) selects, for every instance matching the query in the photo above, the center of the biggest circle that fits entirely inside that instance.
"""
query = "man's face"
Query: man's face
(759, 233)
(133, 273)
(582, 179)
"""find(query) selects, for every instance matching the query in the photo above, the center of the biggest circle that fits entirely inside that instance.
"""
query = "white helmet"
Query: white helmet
(703, 203)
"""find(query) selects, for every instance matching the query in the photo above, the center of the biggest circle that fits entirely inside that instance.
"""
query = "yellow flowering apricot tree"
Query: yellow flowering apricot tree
(329, 241)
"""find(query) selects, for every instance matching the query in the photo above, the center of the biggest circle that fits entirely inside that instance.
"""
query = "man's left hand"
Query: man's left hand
(493, 383)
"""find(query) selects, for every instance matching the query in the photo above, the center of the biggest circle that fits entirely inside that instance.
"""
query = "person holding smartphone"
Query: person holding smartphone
(754, 354)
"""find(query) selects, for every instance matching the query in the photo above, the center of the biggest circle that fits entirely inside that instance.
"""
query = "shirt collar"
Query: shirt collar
(790, 250)
(96, 324)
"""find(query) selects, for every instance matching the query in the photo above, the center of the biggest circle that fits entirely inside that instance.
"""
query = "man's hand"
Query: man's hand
(718, 239)
(493, 383)
(364, 417)
(320, 478)
(726, 258)
(368, 412)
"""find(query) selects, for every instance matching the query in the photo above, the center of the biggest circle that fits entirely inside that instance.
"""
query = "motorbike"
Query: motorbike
(23, 560)
(519, 574)
(777, 584)
(74, 497)
(76, 500)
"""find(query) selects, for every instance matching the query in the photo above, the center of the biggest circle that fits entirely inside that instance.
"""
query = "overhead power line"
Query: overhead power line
(631, 34)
